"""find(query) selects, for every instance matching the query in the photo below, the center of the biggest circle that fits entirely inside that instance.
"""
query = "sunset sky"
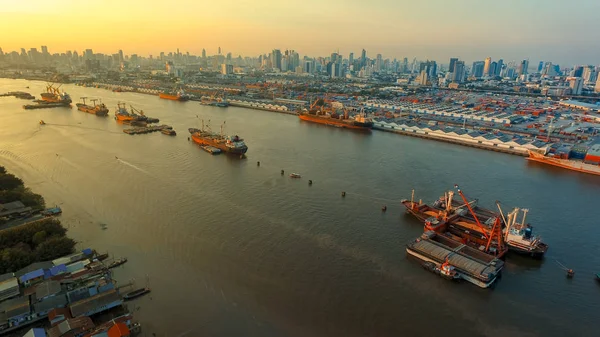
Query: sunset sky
(564, 32)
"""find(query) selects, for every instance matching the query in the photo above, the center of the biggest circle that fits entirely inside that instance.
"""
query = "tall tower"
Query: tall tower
(219, 50)
(363, 58)
(486, 66)
(203, 53)
(452, 62)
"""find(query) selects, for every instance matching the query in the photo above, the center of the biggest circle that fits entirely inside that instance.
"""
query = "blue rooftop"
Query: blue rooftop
(32, 275)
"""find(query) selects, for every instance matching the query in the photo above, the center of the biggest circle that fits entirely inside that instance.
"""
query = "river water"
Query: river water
(230, 248)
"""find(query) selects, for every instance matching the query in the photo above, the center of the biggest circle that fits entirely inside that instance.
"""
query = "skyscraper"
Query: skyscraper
(578, 71)
(379, 63)
(219, 51)
(350, 59)
(540, 66)
(451, 66)
(363, 58)
(203, 53)
(275, 58)
(576, 85)
(459, 72)
(486, 66)
(493, 67)
(597, 88)
(44, 50)
(523, 67)
(499, 66)
(477, 69)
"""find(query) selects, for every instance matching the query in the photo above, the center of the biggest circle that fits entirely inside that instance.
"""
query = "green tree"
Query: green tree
(2, 170)
(39, 237)
(53, 248)
(9, 182)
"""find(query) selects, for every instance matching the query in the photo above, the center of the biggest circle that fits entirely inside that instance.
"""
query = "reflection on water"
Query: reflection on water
(236, 249)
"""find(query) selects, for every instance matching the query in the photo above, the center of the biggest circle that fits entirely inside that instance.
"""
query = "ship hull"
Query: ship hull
(333, 122)
(172, 97)
(221, 146)
(92, 110)
(537, 253)
(565, 164)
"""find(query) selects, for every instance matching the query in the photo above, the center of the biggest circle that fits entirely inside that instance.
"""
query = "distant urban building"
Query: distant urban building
(459, 72)
(477, 69)
(540, 66)
(226, 69)
(577, 71)
(430, 67)
(350, 59)
(170, 67)
(492, 70)
(576, 85)
(363, 58)
(523, 67)
(486, 66)
(499, 66)
(203, 53)
(451, 66)
(218, 53)
(422, 80)
(276, 59)
(597, 88)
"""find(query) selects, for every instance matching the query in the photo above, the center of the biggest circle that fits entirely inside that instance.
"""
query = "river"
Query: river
(231, 248)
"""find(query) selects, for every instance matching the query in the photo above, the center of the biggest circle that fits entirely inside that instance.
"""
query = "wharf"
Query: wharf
(426, 135)
(146, 129)
(258, 107)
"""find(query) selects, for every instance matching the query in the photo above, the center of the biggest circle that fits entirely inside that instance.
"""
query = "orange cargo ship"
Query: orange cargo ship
(174, 96)
(572, 165)
(122, 115)
(356, 123)
(53, 95)
(97, 109)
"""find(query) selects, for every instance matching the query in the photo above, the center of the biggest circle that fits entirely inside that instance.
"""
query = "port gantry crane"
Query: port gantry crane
(496, 232)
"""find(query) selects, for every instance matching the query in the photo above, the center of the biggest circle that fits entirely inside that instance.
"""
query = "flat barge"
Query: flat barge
(470, 264)
(148, 129)
(46, 105)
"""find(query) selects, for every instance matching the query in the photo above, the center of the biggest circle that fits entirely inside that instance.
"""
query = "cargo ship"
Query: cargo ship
(589, 165)
(229, 144)
(332, 118)
(174, 95)
(221, 103)
(123, 115)
(53, 95)
(97, 109)
(478, 225)
(469, 263)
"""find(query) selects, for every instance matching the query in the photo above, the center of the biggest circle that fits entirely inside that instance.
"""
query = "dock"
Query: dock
(473, 266)
(146, 129)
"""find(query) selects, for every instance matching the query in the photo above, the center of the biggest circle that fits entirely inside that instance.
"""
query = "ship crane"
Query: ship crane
(83, 99)
(134, 110)
(496, 232)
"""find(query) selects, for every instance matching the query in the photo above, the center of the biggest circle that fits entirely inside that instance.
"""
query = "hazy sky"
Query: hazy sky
(564, 32)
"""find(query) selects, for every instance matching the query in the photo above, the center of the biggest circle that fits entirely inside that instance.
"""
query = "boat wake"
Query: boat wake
(133, 166)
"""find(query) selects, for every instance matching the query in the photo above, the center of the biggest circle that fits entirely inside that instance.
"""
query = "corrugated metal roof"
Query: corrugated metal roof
(32, 275)
(47, 288)
(94, 302)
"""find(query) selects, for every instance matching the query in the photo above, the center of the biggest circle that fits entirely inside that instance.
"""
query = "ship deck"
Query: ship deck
(466, 259)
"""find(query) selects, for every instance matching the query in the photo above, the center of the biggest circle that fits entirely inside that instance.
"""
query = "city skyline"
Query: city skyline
(533, 30)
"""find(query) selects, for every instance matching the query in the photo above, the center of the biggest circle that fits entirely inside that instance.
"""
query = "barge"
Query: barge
(470, 264)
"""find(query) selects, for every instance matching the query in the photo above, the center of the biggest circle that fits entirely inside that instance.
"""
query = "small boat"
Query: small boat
(598, 277)
(101, 257)
(168, 132)
(42, 122)
(295, 175)
(136, 293)
(51, 211)
(117, 263)
(570, 273)
(446, 270)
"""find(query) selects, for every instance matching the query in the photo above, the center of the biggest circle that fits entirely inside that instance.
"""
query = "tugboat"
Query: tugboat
(136, 293)
(117, 263)
(446, 270)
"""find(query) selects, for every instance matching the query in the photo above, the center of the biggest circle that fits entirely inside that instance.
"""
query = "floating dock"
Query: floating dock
(146, 129)
(472, 265)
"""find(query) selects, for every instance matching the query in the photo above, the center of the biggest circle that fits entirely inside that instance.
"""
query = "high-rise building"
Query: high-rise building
(499, 66)
(451, 66)
(379, 63)
(121, 57)
(350, 59)
(493, 67)
(477, 69)
(226, 69)
(44, 50)
(363, 58)
(486, 66)
(88, 54)
(576, 85)
(219, 51)
(578, 71)
(597, 87)
(523, 67)
(459, 72)
(423, 78)
(276, 59)
(203, 53)
(540, 66)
